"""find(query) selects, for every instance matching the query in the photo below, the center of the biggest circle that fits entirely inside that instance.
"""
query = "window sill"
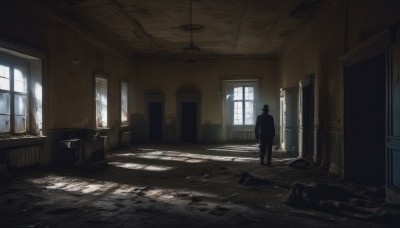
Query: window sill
(125, 127)
(243, 127)
(20, 140)
(102, 131)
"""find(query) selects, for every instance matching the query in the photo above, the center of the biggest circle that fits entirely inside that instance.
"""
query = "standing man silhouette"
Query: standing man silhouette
(265, 133)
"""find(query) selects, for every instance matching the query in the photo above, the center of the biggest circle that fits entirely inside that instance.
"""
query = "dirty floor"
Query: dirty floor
(187, 185)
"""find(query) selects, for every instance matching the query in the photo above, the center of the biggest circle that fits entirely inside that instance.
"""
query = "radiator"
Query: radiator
(21, 157)
(243, 135)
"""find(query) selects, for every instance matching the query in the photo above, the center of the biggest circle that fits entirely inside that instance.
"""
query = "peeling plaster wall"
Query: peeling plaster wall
(319, 53)
(206, 78)
(72, 60)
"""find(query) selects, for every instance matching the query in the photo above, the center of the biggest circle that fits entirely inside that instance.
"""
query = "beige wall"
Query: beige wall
(319, 51)
(171, 77)
(72, 59)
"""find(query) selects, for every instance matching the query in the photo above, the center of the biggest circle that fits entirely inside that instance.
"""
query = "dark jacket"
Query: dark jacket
(265, 128)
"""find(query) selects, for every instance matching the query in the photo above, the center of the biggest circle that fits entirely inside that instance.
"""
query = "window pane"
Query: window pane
(4, 123)
(238, 93)
(249, 113)
(20, 124)
(101, 102)
(249, 93)
(19, 81)
(4, 103)
(4, 77)
(20, 104)
(124, 103)
(238, 113)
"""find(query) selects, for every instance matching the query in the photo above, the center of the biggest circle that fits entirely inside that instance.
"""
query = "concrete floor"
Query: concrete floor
(166, 186)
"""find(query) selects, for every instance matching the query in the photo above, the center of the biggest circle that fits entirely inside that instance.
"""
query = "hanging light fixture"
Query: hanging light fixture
(192, 51)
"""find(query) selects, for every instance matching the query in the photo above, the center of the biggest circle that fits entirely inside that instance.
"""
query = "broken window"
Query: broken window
(101, 102)
(13, 98)
(124, 103)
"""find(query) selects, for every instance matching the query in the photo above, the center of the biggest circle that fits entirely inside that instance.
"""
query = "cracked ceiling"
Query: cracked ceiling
(154, 29)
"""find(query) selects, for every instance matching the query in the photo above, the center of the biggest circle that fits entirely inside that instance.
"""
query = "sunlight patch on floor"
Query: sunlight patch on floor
(76, 185)
(136, 166)
(235, 148)
(160, 154)
(161, 157)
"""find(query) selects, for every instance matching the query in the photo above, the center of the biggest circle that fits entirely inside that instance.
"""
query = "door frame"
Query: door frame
(307, 81)
(364, 50)
(154, 98)
(392, 140)
(188, 97)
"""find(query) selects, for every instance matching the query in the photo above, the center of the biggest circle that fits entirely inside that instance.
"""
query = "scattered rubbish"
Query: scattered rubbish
(246, 178)
(62, 210)
(368, 205)
(141, 191)
(119, 205)
(30, 226)
(218, 210)
(300, 163)
(189, 196)
(269, 206)
(182, 194)
(195, 199)
(147, 188)
(375, 192)
(313, 216)
(146, 210)
(252, 219)
(202, 209)
(98, 221)
(26, 209)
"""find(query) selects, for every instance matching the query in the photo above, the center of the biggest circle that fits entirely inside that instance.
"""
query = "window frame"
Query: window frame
(13, 63)
(243, 102)
(103, 76)
(226, 83)
(127, 102)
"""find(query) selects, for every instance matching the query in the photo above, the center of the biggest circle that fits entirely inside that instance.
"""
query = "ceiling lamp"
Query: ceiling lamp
(191, 52)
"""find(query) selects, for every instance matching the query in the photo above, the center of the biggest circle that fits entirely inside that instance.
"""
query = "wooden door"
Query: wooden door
(155, 121)
(189, 122)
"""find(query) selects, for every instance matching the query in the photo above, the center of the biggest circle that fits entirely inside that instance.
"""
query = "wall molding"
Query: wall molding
(321, 16)
(336, 130)
(373, 46)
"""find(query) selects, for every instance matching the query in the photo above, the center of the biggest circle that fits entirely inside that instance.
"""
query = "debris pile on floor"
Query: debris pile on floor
(300, 163)
(246, 178)
(368, 205)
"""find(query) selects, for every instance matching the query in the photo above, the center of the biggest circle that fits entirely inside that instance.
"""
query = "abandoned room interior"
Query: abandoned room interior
(132, 113)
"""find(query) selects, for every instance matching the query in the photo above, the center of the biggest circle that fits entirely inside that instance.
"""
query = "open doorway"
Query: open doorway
(365, 120)
(189, 122)
(306, 118)
(288, 119)
(155, 121)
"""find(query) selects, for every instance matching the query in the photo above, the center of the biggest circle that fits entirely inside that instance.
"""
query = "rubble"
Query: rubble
(367, 205)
